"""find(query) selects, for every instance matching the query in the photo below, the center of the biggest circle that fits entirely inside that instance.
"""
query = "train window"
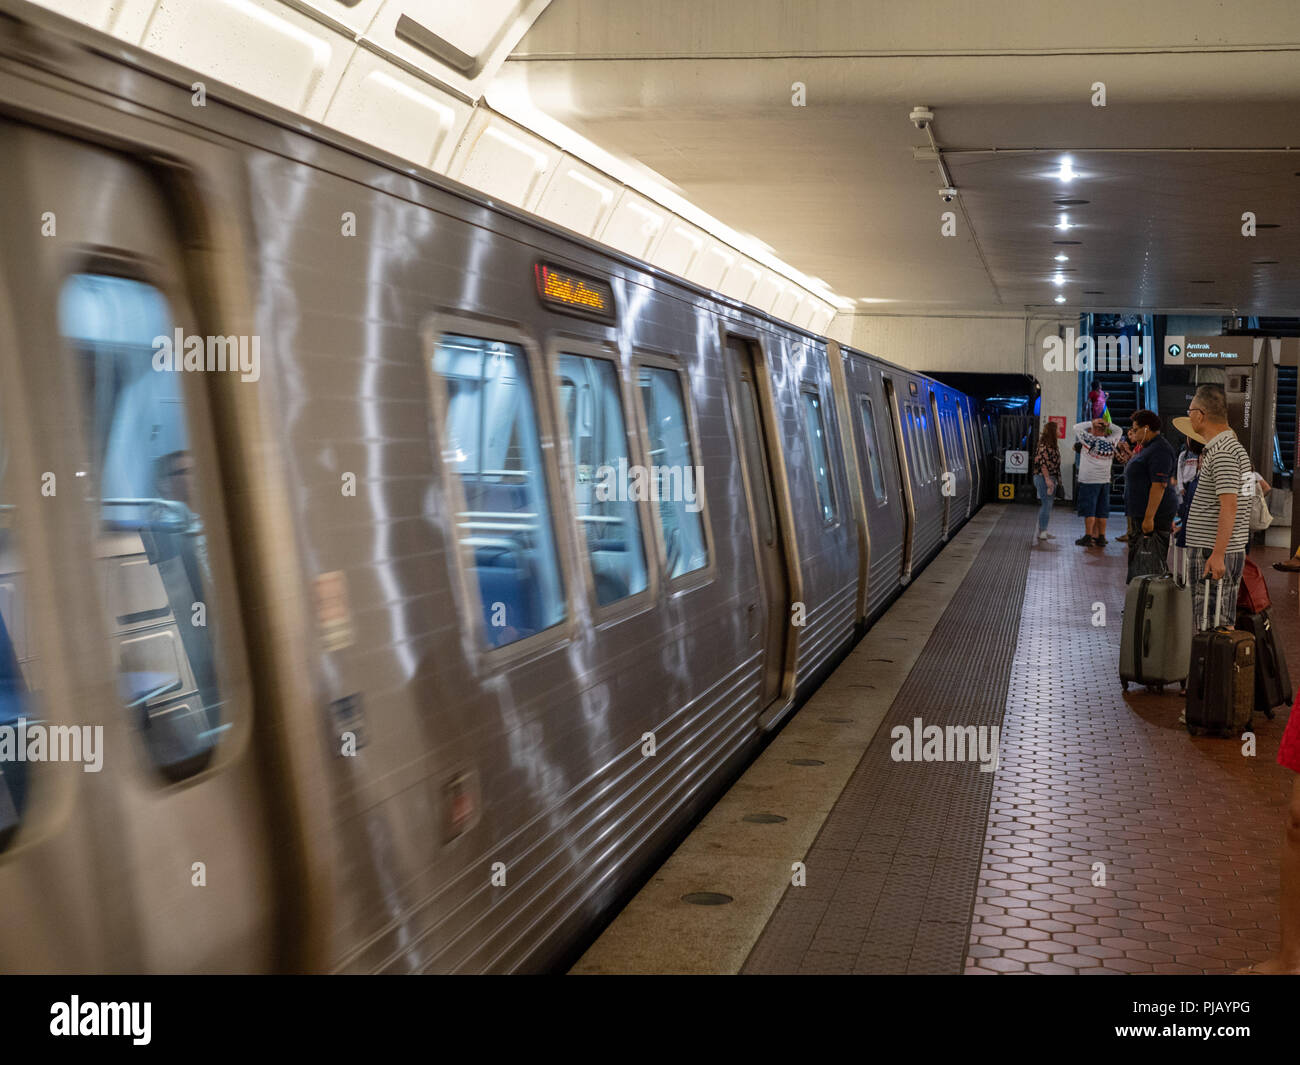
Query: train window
(17, 665)
(919, 451)
(950, 442)
(873, 454)
(815, 427)
(151, 545)
(930, 440)
(604, 497)
(490, 441)
(675, 480)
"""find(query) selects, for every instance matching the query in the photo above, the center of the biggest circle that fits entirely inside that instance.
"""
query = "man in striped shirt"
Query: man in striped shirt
(1218, 523)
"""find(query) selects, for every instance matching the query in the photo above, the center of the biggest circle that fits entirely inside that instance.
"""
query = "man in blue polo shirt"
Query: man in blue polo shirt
(1150, 501)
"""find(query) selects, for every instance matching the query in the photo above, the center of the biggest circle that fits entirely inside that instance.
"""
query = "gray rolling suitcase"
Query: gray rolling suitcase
(1156, 644)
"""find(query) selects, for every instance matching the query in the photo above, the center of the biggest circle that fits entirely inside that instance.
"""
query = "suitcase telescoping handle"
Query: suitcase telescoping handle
(1218, 604)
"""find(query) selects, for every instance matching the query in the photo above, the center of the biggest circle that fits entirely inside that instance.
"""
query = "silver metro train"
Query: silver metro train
(387, 577)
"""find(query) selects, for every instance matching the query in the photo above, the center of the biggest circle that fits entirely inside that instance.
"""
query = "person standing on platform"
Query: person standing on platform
(1047, 473)
(1184, 486)
(1098, 439)
(1124, 451)
(1149, 502)
(1218, 521)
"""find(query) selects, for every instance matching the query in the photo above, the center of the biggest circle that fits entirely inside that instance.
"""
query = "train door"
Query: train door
(160, 858)
(756, 451)
(904, 477)
(973, 462)
(947, 473)
(883, 499)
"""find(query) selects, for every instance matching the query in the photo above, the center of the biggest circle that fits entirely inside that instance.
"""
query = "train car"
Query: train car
(409, 572)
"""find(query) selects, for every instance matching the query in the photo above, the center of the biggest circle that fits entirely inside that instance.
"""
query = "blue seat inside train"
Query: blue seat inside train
(504, 575)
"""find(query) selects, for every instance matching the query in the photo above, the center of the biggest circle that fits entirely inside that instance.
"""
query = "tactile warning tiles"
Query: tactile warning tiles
(1187, 830)
(891, 875)
(753, 861)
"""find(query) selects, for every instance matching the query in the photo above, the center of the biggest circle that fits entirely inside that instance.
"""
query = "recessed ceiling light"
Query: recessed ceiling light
(1064, 223)
(1062, 258)
(1060, 299)
(1067, 242)
(1058, 280)
(1070, 203)
(1066, 173)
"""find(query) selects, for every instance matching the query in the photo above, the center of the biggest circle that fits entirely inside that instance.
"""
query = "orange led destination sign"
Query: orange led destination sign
(575, 294)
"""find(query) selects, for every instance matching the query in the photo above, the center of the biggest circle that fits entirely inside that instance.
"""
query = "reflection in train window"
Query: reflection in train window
(150, 545)
(491, 442)
(605, 491)
(815, 427)
(873, 455)
(18, 697)
(675, 480)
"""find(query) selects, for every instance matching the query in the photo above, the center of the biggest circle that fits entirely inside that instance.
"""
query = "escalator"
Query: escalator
(1286, 417)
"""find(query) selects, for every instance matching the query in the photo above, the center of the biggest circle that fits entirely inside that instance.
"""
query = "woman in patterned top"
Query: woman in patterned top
(1047, 471)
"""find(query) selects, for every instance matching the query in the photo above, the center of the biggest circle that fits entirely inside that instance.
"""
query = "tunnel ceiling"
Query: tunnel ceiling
(1200, 125)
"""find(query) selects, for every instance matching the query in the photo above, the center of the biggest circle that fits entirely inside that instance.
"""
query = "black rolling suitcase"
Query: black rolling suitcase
(1272, 678)
(1221, 679)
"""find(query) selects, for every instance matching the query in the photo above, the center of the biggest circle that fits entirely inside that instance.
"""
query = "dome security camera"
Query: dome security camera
(948, 195)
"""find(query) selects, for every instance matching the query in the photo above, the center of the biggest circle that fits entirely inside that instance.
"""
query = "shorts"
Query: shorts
(1233, 563)
(1288, 754)
(1094, 500)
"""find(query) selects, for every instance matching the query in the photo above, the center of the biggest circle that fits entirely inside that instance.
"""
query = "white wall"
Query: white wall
(973, 343)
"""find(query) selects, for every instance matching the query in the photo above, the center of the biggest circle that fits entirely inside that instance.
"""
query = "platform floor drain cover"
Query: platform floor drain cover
(838, 720)
(763, 819)
(707, 898)
(806, 761)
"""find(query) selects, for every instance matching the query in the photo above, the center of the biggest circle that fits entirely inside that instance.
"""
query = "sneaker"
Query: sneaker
(1099, 541)
(1085, 541)
(1122, 539)
(1042, 534)
(1048, 536)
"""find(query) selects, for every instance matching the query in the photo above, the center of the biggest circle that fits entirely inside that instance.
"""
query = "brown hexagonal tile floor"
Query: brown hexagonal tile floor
(1116, 842)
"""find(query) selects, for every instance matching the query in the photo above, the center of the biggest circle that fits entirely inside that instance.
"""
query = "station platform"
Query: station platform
(1106, 840)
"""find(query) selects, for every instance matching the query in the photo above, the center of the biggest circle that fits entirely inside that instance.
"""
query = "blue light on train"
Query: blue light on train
(1038, 406)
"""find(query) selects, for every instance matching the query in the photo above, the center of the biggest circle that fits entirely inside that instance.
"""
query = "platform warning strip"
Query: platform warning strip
(892, 875)
(743, 853)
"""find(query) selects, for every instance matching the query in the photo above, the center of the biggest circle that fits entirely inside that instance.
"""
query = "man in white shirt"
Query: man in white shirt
(1098, 438)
